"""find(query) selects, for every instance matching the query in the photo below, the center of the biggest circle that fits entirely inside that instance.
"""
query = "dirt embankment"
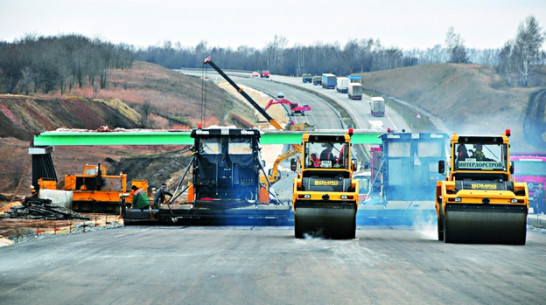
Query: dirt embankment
(468, 98)
(145, 96)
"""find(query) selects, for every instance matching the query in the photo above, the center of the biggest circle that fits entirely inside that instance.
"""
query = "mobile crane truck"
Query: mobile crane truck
(325, 195)
(480, 201)
(295, 149)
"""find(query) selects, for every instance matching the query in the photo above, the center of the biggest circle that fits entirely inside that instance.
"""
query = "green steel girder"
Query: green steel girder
(56, 138)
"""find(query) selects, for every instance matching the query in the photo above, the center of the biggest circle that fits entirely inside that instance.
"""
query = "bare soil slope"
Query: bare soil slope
(469, 98)
(147, 96)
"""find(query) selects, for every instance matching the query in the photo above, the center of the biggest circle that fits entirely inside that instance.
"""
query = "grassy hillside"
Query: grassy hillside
(468, 98)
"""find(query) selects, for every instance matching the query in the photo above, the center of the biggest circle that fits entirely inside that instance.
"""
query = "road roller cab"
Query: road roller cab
(480, 201)
(325, 196)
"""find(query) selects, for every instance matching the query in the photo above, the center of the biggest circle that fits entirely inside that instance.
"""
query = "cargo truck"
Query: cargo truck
(377, 106)
(375, 125)
(329, 81)
(354, 91)
(342, 85)
(355, 78)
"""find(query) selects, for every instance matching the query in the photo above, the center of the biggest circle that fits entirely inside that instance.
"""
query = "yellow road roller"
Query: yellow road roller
(480, 201)
(325, 195)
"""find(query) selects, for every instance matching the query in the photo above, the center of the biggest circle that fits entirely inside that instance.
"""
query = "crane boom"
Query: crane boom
(272, 121)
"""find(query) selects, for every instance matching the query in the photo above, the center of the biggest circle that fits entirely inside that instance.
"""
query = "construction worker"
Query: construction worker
(315, 162)
(140, 200)
(462, 153)
(159, 197)
(326, 154)
(478, 153)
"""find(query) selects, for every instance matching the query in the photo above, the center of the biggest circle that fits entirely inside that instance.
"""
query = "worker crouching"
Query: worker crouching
(159, 197)
(140, 200)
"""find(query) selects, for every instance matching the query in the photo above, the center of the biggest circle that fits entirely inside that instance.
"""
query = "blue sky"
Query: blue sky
(232, 23)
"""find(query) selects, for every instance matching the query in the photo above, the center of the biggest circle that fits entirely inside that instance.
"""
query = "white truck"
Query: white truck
(355, 91)
(375, 125)
(342, 84)
(377, 106)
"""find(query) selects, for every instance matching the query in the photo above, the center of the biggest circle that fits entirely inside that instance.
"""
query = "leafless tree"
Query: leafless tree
(27, 80)
(455, 47)
(528, 43)
(520, 56)
(506, 62)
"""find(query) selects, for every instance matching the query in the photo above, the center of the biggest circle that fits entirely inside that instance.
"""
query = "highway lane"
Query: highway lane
(323, 116)
(360, 109)
(266, 265)
(321, 110)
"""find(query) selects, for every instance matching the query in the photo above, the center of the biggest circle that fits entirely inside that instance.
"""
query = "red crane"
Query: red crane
(294, 107)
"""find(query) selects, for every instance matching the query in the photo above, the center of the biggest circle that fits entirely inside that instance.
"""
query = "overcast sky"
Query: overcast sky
(405, 24)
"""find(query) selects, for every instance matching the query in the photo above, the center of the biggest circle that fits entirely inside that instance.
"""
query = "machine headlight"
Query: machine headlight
(513, 200)
(458, 199)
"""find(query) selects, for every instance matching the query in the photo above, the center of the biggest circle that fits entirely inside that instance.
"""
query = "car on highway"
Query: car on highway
(255, 74)
(280, 95)
(265, 73)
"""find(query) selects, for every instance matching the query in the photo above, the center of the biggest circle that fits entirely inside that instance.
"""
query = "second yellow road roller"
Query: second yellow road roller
(480, 201)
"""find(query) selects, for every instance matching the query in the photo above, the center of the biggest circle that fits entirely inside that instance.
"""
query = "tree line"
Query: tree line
(43, 64)
(355, 56)
(518, 59)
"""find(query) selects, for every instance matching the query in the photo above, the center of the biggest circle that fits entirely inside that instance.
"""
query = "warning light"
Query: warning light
(351, 131)
(508, 132)
(199, 126)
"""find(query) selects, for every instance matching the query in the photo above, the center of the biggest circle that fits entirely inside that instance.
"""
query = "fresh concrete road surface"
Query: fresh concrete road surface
(267, 265)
